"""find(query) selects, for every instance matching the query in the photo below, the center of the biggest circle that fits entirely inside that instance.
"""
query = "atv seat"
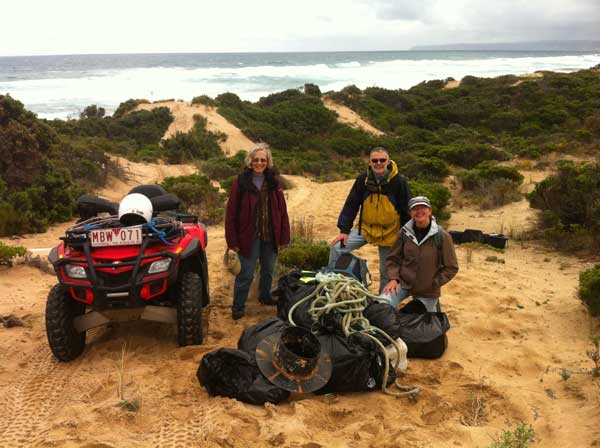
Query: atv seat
(149, 190)
(161, 200)
(89, 206)
(164, 202)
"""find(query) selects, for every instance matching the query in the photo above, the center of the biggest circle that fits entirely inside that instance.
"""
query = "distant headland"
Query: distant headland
(542, 45)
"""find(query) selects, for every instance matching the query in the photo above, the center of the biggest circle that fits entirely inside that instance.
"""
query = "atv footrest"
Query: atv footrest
(95, 319)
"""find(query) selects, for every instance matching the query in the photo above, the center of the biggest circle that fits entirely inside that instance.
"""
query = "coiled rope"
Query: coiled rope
(345, 296)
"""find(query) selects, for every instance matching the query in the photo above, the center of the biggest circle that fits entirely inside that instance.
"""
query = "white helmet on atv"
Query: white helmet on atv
(135, 209)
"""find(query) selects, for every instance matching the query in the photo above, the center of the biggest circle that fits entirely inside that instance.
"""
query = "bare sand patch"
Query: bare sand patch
(184, 112)
(452, 84)
(349, 117)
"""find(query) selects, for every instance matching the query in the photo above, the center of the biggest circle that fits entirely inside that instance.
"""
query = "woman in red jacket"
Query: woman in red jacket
(256, 226)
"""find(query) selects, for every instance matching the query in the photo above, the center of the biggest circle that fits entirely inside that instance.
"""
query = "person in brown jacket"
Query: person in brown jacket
(421, 260)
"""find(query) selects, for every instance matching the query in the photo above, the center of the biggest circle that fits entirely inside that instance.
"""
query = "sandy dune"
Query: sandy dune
(184, 112)
(349, 117)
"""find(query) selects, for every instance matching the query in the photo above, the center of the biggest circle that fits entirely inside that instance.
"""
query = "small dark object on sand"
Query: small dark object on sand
(11, 321)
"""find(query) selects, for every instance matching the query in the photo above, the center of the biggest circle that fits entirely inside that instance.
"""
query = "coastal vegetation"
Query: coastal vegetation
(198, 144)
(570, 202)
(431, 132)
(589, 289)
(41, 173)
(198, 196)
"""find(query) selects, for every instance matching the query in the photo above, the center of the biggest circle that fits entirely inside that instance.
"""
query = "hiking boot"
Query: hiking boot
(269, 301)
(237, 313)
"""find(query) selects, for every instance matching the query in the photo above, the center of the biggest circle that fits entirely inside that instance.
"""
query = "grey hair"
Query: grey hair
(259, 147)
(379, 149)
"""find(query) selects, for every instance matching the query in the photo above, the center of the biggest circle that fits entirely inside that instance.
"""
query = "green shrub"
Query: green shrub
(197, 196)
(92, 111)
(312, 90)
(204, 99)
(487, 172)
(11, 221)
(304, 255)
(522, 437)
(465, 155)
(569, 237)
(228, 100)
(9, 252)
(437, 194)
(422, 168)
(220, 167)
(36, 171)
(572, 195)
(136, 128)
(128, 106)
(227, 183)
(589, 289)
(199, 143)
(24, 144)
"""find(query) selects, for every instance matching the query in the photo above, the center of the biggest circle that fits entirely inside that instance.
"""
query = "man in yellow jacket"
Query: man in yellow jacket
(381, 196)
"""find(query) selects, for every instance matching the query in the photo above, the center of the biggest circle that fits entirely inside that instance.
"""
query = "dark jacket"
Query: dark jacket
(416, 266)
(395, 187)
(240, 217)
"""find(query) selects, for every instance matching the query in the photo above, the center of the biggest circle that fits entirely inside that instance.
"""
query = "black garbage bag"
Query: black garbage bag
(291, 288)
(330, 323)
(253, 335)
(385, 317)
(234, 374)
(472, 236)
(288, 284)
(286, 301)
(357, 361)
(423, 332)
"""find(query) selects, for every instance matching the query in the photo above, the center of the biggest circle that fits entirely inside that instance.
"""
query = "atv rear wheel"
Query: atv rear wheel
(189, 310)
(61, 309)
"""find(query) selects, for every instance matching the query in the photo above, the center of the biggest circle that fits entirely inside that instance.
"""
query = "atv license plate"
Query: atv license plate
(116, 237)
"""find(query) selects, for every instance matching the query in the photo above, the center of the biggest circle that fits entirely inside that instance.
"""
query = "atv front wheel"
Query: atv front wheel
(189, 310)
(61, 309)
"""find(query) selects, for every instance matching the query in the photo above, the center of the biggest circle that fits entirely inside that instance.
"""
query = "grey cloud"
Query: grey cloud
(574, 19)
(500, 20)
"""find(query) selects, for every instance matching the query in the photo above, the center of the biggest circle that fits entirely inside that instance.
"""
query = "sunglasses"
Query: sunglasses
(257, 160)
(379, 160)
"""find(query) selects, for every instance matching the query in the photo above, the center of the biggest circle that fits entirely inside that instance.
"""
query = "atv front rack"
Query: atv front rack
(125, 281)
(163, 228)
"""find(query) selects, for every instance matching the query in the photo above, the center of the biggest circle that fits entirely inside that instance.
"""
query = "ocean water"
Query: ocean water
(62, 86)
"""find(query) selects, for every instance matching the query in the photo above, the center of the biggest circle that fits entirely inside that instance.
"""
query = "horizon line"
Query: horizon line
(412, 49)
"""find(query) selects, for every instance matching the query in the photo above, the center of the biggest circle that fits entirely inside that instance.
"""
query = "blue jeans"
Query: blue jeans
(432, 305)
(356, 241)
(265, 252)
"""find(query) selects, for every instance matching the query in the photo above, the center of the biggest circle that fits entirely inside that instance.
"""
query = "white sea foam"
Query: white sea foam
(64, 97)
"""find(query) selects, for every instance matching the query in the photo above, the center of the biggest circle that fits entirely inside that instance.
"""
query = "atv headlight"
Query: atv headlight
(159, 266)
(75, 271)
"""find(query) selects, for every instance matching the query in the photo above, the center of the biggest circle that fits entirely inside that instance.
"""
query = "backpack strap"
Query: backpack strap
(437, 238)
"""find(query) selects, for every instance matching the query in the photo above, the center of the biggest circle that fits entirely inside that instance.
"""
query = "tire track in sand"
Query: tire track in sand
(175, 432)
(26, 407)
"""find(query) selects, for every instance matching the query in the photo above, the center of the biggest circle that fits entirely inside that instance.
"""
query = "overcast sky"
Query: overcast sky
(31, 27)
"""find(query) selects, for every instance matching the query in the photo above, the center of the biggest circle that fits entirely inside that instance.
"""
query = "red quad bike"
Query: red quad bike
(109, 272)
